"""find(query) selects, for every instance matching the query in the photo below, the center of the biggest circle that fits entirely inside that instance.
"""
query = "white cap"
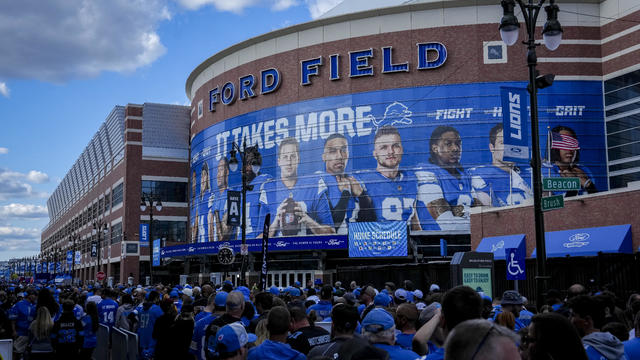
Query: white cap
(187, 291)
(434, 287)
(417, 294)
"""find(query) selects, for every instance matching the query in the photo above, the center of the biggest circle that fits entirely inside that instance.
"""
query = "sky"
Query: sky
(65, 64)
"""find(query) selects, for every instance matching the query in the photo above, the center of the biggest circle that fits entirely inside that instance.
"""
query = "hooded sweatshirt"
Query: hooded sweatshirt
(274, 350)
(603, 346)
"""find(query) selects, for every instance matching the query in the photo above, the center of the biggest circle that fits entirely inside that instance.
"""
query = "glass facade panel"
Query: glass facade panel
(168, 191)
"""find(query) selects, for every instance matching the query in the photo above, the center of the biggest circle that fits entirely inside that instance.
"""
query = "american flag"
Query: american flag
(563, 142)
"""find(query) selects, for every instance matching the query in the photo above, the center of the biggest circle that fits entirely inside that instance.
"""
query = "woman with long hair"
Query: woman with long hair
(553, 337)
(40, 346)
(565, 157)
(90, 325)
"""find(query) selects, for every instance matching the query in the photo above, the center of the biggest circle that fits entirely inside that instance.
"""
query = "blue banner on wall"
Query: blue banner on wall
(156, 252)
(515, 116)
(69, 259)
(144, 234)
(378, 239)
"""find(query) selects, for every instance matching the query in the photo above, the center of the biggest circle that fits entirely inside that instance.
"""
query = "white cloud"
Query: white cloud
(16, 238)
(4, 89)
(234, 6)
(319, 7)
(14, 184)
(37, 177)
(280, 5)
(61, 40)
(4, 150)
(24, 211)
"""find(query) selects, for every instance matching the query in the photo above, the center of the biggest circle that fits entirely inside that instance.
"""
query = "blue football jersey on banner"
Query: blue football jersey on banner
(436, 183)
(334, 194)
(307, 194)
(257, 207)
(393, 200)
(503, 188)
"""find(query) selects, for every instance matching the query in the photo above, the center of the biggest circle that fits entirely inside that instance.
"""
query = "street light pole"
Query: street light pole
(99, 227)
(150, 198)
(552, 34)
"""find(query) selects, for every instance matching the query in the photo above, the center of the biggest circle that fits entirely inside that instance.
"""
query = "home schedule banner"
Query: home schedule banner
(378, 239)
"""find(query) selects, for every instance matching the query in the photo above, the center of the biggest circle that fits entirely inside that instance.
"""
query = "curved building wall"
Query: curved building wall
(414, 67)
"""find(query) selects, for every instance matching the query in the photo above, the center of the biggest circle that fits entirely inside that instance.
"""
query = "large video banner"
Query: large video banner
(421, 155)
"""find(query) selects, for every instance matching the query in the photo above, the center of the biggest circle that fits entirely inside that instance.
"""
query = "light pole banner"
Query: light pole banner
(69, 259)
(377, 239)
(78, 257)
(144, 234)
(515, 124)
(156, 252)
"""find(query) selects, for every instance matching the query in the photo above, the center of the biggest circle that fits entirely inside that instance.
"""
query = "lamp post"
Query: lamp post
(255, 167)
(72, 243)
(552, 35)
(147, 200)
(100, 229)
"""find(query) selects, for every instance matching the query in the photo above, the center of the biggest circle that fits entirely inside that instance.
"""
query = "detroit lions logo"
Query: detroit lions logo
(396, 113)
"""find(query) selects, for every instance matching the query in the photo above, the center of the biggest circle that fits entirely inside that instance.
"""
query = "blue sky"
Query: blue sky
(66, 63)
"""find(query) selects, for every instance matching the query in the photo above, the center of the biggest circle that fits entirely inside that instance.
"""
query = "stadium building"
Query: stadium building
(383, 114)
(138, 149)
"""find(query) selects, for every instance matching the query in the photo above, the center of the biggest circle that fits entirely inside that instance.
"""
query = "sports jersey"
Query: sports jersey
(306, 194)
(632, 348)
(322, 308)
(307, 337)
(435, 182)
(404, 340)
(397, 352)
(219, 204)
(66, 335)
(257, 207)
(90, 340)
(23, 313)
(393, 199)
(199, 330)
(147, 319)
(107, 312)
(334, 194)
(205, 204)
(503, 188)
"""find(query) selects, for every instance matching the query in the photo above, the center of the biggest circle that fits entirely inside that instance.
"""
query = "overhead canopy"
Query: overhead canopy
(497, 244)
(589, 241)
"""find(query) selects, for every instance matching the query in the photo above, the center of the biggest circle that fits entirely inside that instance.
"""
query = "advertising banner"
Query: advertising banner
(421, 156)
(478, 279)
(78, 257)
(378, 239)
(515, 122)
(265, 253)
(156, 252)
(144, 234)
(69, 259)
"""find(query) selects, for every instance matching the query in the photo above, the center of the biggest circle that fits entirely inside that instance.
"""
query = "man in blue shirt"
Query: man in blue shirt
(294, 200)
(348, 200)
(444, 188)
(502, 183)
(513, 303)
(632, 346)
(21, 315)
(276, 346)
(107, 309)
(323, 307)
(217, 206)
(379, 328)
(147, 317)
(392, 191)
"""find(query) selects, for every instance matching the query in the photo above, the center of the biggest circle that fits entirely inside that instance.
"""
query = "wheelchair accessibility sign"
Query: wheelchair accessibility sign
(515, 264)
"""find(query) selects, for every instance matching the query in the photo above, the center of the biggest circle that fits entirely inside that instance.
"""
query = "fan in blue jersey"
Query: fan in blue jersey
(107, 309)
(502, 183)
(392, 191)
(295, 201)
(204, 203)
(444, 189)
(565, 155)
(256, 207)
(348, 200)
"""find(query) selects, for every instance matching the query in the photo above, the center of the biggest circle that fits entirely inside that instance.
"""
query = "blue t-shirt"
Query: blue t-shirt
(404, 341)
(322, 308)
(436, 183)
(397, 352)
(23, 313)
(199, 331)
(436, 355)
(501, 187)
(147, 319)
(205, 204)
(393, 199)
(306, 194)
(88, 333)
(274, 350)
(201, 315)
(525, 317)
(107, 312)
(632, 348)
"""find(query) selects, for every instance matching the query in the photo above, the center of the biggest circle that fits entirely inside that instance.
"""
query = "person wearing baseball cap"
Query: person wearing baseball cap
(231, 342)
(379, 328)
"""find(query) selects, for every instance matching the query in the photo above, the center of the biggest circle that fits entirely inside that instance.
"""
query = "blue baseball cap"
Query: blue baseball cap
(274, 290)
(173, 294)
(377, 320)
(231, 338)
(294, 291)
(297, 283)
(221, 299)
(245, 291)
(381, 299)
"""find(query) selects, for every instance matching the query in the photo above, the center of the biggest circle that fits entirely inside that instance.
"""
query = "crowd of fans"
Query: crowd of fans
(319, 321)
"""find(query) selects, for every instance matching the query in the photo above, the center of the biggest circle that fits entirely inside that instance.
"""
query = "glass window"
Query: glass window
(116, 197)
(168, 191)
(624, 151)
(101, 206)
(107, 202)
(622, 81)
(622, 180)
(116, 233)
(621, 109)
(626, 165)
(174, 231)
(623, 137)
(623, 124)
